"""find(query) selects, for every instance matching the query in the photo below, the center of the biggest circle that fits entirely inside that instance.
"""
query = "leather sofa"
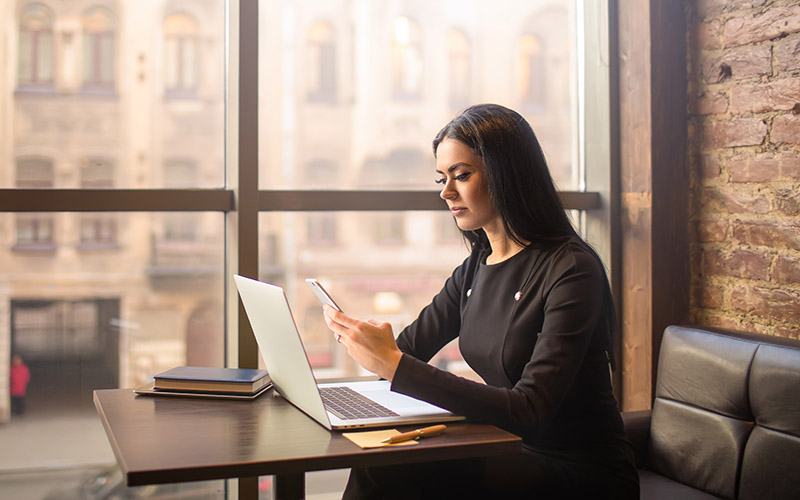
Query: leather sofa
(725, 421)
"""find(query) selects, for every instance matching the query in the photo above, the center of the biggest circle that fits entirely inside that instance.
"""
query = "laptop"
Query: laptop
(287, 363)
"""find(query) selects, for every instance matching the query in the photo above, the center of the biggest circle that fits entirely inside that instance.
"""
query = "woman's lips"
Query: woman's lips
(456, 211)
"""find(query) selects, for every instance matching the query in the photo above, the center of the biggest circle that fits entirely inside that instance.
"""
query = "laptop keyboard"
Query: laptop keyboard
(347, 404)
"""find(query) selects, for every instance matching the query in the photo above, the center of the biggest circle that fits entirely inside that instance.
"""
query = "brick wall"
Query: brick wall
(744, 156)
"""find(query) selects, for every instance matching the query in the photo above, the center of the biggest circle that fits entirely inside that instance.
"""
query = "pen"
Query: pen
(416, 434)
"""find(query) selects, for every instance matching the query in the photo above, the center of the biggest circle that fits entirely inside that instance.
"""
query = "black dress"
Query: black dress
(535, 328)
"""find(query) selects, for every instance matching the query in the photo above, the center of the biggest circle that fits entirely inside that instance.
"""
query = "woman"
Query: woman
(532, 310)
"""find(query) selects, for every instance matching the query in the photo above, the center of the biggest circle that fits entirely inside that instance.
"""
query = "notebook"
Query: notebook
(284, 355)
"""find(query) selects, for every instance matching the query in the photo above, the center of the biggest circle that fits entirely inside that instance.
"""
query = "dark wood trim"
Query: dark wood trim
(670, 217)
(115, 200)
(615, 259)
(653, 182)
(303, 201)
(225, 200)
(247, 189)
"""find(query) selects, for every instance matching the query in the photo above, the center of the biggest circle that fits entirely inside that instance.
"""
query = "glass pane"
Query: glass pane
(138, 127)
(403, 70)
(386, 266)
(111, 302)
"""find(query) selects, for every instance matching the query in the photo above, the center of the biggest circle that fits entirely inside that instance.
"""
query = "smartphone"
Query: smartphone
(321, 294)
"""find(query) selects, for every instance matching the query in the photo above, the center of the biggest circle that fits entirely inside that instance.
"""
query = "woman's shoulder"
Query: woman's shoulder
(573, 255)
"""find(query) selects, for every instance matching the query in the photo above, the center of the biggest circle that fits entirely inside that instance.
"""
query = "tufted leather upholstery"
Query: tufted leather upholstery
(725, 421)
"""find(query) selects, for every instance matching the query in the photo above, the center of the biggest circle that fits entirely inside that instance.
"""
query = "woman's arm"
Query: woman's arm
(573, 305)
(372, 343)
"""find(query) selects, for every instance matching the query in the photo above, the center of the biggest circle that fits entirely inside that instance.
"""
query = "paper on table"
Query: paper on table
(372, 439)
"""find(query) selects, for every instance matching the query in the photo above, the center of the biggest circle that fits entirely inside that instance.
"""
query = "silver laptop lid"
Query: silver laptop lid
(281, 347)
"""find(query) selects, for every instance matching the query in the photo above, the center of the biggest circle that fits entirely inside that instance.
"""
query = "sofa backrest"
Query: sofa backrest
(726, 416)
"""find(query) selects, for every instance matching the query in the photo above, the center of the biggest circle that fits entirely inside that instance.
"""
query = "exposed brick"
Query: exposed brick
(737, 64)
(736, 201)
(710, 8)
(785, 130)
(780, 95)
(786, 270)
(733, 133)
(742, 299)
(708, 34)
(710, 296)
(713, 319)
(709, 103)
(709, 166)
(790, 167)
(750, 168)
(787, 55)
(781, 303)
(788, 201)
(773, 234)
(765, 25)
(711, 230)
(739, 264)
(787, 332)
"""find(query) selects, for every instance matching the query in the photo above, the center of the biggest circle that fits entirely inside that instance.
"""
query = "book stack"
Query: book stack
(241, 383)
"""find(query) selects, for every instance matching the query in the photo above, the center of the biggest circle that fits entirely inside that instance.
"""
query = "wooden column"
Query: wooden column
(654, 238)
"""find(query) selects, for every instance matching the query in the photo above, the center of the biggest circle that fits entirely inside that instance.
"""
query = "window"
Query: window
(532, 73)
(389, 229)
(98, 49)
(459, 67)
(36, 56)
(406, 59)
(358, 175)
(183, 227)
(35, 231)
(182, 56)
(97, 230)
(321, 63)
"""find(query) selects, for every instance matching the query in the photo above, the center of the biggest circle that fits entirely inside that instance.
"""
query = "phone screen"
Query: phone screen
(321, 294)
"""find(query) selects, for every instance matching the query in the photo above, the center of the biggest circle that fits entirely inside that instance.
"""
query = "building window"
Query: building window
(321, 63)
(406, 60)
(459, 68)
(389, 229)
(97, 230)
(35, 230)
(98, 49)
(182, 57)
(36, 59)
(322, 229)
(181, 226)
(531, 83)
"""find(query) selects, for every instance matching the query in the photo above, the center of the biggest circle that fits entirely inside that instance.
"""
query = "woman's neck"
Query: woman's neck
(503, 247)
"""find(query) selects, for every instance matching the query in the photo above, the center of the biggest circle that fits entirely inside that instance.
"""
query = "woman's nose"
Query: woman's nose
(448, 193)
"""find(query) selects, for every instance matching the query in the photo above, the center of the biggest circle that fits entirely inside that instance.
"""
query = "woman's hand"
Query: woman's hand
(371, 343)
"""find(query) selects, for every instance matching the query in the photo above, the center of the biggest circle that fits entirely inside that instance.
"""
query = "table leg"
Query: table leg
(290, 486)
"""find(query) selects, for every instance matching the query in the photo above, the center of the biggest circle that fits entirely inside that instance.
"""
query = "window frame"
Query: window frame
(241, 200)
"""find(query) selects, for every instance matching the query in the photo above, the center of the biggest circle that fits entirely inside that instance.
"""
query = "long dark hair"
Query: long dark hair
(520, 184)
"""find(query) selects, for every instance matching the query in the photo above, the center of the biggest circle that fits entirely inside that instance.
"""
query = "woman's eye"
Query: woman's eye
(440, 181)
(461, 177)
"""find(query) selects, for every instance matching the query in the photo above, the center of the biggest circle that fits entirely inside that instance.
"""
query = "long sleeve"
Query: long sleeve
(545, 367)
(440, 321)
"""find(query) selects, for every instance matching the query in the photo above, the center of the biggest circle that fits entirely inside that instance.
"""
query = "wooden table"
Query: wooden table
(171, 439)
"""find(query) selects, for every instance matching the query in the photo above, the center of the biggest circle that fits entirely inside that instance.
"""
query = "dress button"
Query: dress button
(469, 292)
(517, 296)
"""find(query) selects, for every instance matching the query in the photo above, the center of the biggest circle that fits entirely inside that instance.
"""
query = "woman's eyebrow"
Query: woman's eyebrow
(453, 167)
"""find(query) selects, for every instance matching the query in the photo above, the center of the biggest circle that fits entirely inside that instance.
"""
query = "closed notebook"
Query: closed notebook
(208, 379)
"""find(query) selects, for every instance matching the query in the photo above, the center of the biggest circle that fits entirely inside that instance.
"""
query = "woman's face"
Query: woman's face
(462, 175)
